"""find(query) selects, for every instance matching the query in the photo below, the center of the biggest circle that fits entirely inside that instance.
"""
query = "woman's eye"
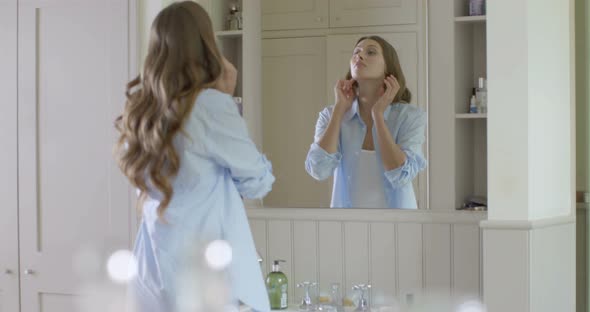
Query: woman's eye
(372, 52)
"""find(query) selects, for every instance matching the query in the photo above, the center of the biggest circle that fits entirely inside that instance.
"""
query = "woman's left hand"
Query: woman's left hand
(227, 80)
(391, 89)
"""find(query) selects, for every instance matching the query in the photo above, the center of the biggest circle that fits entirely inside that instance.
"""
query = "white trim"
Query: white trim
(526, 224)
(321, 32)
(471, 116)
(132, 72)
(370, 215)
(229, 34)
(425, 40)
(470, 19)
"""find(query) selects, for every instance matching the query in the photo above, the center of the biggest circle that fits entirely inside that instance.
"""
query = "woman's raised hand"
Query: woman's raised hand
(391, 89)
(345, 94)
(227, 81)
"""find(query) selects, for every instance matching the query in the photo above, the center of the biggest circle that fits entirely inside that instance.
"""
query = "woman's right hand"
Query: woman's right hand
(344, 92)
(227, 81)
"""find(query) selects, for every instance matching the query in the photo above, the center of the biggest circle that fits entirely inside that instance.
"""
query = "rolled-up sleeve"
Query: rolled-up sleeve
(319, 163)
(228, 143)
(410, 140)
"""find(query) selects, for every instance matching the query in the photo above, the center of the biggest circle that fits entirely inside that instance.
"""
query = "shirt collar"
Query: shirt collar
(354, 110)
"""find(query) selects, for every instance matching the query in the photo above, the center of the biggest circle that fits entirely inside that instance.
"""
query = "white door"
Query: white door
(293, 80)
(351, 13)
(8, 159)
(406, 44)
(73, 65)
(289, 14)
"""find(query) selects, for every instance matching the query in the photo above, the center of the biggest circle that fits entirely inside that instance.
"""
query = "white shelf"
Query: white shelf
(471, 116)
(470, 19)
(229, 33)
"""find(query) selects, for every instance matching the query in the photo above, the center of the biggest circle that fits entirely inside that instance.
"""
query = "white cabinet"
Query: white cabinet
(294, 82)
(9, 268)
(354, 13)
(63, 188)
(306, 14)
(300, 14)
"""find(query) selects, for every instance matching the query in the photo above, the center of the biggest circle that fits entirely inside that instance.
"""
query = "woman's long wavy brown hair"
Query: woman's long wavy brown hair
(182, 59)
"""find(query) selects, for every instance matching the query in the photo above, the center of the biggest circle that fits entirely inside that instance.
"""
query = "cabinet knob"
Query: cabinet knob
(319, 19)
(337, 18)
(8, 271)
(29, 272)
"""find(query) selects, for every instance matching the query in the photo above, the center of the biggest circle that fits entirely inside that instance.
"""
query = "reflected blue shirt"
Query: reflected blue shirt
(218, 164)
(405, 122)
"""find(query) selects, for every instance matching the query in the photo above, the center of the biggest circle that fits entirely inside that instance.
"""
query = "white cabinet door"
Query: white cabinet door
(289, 14)
(293, 81)
(350, 13)
(72, 68)
(9, 283)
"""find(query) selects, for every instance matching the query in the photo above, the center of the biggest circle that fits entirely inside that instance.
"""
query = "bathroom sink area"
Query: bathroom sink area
(295, 308)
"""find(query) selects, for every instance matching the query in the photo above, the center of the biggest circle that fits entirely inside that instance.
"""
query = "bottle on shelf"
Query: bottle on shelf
(234, 19)
(481, 96)
(472, 105)
(477, 7)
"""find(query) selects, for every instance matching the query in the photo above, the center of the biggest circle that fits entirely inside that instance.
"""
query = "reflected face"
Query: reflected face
(367, 61)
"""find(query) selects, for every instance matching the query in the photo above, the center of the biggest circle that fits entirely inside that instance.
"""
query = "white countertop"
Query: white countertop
(295, 308)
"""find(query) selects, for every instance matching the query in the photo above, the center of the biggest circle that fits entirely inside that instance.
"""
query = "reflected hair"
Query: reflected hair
(182, 59)
(392, 67)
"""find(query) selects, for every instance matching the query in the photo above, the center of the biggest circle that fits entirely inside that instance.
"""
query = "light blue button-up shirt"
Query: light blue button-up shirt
(405, 122)
(218, 163)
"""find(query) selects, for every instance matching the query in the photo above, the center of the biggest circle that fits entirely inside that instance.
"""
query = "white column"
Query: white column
(529, 238)
(582, 149)
(530, 59)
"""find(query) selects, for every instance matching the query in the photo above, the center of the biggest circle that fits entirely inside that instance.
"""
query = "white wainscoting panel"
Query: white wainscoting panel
(400, 253)
(331, 254)
(437, 258)
(383, 271)
(467, 274)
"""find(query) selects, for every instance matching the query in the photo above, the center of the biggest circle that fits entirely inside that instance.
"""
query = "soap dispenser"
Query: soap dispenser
(277, 287)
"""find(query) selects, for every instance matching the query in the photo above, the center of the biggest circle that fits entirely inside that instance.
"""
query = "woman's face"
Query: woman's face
(367, 61)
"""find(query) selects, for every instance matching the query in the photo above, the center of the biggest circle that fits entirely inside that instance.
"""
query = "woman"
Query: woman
(186, 149)
(371, 139)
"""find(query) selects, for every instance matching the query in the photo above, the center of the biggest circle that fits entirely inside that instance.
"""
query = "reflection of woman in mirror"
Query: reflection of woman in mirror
(372, 138)
(186, 149)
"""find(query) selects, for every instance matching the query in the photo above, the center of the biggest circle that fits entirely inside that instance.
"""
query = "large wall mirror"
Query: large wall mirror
(298, 79)
(306, 47)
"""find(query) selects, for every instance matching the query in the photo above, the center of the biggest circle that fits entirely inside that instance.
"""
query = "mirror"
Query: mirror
(298, 79)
